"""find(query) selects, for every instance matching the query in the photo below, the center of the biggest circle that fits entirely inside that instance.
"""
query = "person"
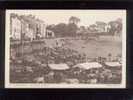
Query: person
(58, 77)
(49, 77)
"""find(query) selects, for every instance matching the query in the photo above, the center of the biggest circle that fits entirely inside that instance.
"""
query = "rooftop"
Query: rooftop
(89, 65)
(58, 66)
(113, 64)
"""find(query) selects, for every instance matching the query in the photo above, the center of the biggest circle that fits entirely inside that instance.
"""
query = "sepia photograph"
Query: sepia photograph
(65, 48)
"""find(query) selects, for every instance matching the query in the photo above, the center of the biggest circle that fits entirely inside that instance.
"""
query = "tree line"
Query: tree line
(70, 29)
(63, 29)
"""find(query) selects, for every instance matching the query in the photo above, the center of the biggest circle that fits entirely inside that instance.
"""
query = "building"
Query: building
(100, 26)
(24, 28)
(93, 28)
(41, 28)
(49, 34)
(15, 27)
(27, 27)
(34, 28)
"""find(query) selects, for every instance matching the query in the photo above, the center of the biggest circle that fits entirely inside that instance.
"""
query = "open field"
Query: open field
(94, 48)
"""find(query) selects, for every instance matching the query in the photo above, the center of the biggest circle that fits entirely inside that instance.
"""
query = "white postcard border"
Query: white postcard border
(37, 85)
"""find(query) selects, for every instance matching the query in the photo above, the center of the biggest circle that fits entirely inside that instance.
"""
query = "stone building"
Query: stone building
(27, 27)
(15, 27)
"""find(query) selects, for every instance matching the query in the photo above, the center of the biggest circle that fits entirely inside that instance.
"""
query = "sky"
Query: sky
(87, 17)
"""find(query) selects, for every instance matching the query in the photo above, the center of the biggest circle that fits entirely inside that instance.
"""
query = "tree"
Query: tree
(71, 29)
(116, 27)
(109, 56)
(119, 27)
(50, 27)
(72, 26)
(83, 28)
(74, 20)
(82, 31)
(60, 29)
(113, 27)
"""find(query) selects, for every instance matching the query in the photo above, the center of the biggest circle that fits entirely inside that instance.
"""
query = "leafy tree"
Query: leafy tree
(72, 26)
(50, 27)
(109, 56)
(74, 20)
(119, 27)
(116, 26)
(83, 28)
(113, 27)
(71, 29)
(60, 29)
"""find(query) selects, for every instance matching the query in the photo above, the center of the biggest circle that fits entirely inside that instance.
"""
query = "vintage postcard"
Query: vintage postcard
(65, 48)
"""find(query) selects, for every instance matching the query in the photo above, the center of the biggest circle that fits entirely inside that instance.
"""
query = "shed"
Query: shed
(58, 66)
(113, 64)
(88, 65)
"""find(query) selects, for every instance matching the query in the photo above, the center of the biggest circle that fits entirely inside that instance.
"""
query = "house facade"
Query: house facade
(15, 27)
(27, 27)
